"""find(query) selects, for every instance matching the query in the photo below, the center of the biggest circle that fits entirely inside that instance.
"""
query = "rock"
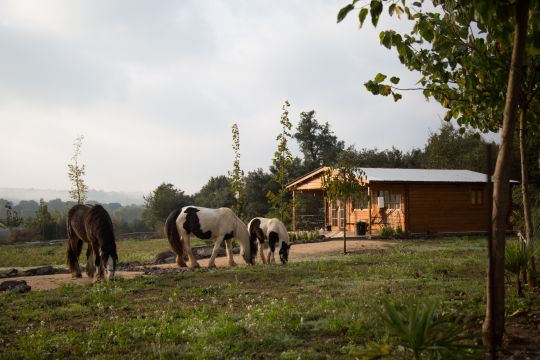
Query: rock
(44, 270)
(17, 286)
(165, 257)
(10, 273)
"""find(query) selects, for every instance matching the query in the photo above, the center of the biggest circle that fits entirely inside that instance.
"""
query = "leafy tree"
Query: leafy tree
(282, 162)
(215, 193)
(160, 202)
(43, 223)
(26, 208)
(342, 183)
(257, 185)
(12, 219)
(477, 75)
(317, 142)
(392, 158)
(236, 176)
(76, 174)
(467, 150)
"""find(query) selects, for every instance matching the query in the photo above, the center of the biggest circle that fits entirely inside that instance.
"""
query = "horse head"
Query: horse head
(284, 252)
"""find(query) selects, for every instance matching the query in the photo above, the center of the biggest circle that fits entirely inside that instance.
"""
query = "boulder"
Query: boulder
(17, 286)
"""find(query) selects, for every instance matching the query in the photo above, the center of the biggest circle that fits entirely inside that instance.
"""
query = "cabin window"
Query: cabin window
(477, 197)
(360, 201)
(392, 200)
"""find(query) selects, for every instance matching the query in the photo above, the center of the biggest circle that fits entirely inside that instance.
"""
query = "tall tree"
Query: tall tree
(76, 174)
(215, 193)
(470, 56)
(467, 150)
(160, 202)
(282, 161)
(317, 142)
(257, 185)
(236, 176)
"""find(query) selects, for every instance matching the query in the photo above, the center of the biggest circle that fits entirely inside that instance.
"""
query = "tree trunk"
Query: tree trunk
(494, 320)
(345, 230)
(531, 267)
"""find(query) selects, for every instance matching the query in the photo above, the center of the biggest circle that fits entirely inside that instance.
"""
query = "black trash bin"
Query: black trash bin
(361, 228)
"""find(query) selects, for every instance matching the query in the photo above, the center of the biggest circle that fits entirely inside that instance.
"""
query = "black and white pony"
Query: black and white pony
(208, 224)
(276, 233)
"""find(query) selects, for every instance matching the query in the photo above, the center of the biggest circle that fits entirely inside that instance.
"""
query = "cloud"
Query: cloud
(155, 87)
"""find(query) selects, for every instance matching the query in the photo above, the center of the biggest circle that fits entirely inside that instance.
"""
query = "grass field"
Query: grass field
(319, 309)
(130, 250)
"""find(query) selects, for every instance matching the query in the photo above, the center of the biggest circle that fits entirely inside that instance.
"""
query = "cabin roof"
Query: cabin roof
(408, 175)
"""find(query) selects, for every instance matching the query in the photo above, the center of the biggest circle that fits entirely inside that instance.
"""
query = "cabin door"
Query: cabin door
(337, 215)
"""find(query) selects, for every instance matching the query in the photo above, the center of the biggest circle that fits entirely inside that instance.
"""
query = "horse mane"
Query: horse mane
(99, 225)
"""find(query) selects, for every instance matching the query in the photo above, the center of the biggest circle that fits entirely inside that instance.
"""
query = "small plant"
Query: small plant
(417, 327)
(516, 259)
(387, 232)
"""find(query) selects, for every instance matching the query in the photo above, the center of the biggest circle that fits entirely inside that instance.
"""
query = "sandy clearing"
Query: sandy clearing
(298, 252)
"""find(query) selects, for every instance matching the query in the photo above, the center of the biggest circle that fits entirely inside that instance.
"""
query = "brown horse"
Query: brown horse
(92, 225)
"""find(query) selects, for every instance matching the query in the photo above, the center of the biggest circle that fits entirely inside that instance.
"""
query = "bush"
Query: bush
(387, 232)
(418, 328)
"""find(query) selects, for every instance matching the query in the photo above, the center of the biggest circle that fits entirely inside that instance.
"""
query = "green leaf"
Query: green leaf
(396, 96)
(394, 80)
(362, 16)
(386, 39)
(391, 9)
(385, 90)
(376, 8)
(343, 12)
(379, 78)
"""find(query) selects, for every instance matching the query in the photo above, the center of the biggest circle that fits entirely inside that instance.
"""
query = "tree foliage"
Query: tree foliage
(76, 174)
(215, 193)
(319, 145)
(160, 202)
(282, 162)
(12, 219)
(236, 176)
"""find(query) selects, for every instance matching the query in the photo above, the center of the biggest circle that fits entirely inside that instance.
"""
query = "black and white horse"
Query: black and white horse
(208, 224)
(276, 233)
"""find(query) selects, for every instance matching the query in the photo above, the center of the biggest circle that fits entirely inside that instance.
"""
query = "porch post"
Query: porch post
(369, 208)
(294, 210)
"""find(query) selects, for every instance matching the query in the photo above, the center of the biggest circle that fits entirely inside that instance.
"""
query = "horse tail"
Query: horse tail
(174, 237)
(74, 248)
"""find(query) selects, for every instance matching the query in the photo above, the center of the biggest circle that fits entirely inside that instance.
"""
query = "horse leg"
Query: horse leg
(78, 251)
(261, 251)
(269, 255)
(217, 244)
(99, 264)
(193, 264)
(228, 245)
(90, 268)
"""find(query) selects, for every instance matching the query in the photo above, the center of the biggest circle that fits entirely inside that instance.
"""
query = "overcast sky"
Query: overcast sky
(154, 87)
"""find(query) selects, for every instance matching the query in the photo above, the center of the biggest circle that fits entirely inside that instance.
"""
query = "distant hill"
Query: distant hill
(125, 198)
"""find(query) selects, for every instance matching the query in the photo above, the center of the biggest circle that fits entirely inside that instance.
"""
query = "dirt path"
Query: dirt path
(298, 252)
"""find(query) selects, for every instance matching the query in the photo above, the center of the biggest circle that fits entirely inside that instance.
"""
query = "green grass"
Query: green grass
(323, 308)
(128, 250)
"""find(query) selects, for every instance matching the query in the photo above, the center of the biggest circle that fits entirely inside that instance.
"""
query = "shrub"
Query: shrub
(417, 327)
(387, 232)
(517, 256)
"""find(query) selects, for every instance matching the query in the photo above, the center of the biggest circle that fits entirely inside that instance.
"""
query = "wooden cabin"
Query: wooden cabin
(415, 200)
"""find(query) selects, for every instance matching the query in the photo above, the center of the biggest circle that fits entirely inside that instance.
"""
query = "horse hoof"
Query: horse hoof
(213, 266)
(232, 264)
